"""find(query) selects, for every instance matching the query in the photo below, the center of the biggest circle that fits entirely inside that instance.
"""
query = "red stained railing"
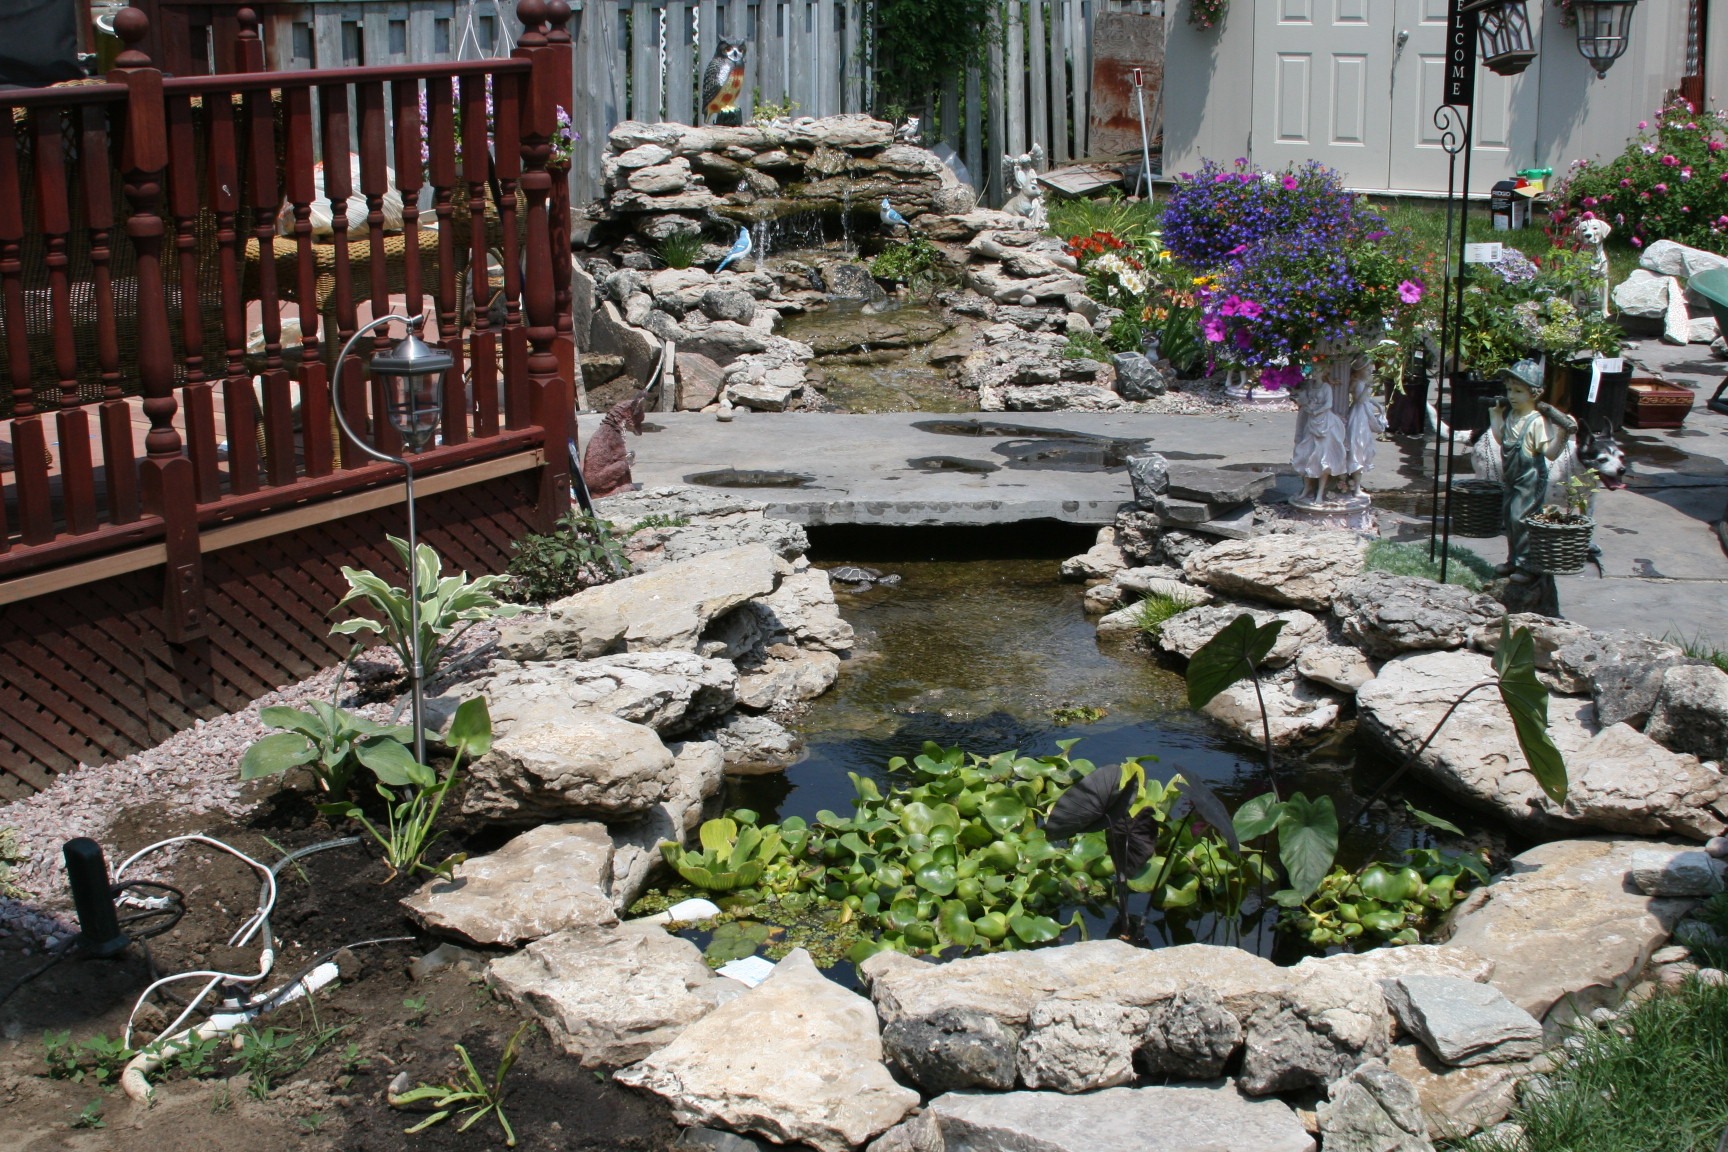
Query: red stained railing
(156, 231)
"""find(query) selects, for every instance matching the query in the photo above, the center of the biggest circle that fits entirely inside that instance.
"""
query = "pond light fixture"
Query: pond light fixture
(1604, 30)
(411, 374)
(1506, 44)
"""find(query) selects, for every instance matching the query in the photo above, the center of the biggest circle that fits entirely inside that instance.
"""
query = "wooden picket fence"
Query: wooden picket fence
(643, 60)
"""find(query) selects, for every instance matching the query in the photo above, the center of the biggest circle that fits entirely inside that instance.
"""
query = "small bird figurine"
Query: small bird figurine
(892, 219)
(740, 248)
(909, 132)
(722, 81)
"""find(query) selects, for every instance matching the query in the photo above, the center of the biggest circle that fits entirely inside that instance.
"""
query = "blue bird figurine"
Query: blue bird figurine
(891, 218)
(740, 248)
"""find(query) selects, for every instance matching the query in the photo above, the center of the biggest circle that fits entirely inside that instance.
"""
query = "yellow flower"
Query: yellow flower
(1164, 256)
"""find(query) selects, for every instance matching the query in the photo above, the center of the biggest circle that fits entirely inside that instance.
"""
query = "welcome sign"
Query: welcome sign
(1460, 85)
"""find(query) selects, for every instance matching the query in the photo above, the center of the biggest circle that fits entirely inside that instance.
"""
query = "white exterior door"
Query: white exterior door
(1322, 78)
(1354, 84)
(1505, 108)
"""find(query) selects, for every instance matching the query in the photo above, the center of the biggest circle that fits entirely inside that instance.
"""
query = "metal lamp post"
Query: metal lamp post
(1604, 30)
(412, 375)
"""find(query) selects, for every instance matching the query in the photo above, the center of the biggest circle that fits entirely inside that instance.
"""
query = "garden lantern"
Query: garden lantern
(1503, 31)
(1604, 29)
(411, 373)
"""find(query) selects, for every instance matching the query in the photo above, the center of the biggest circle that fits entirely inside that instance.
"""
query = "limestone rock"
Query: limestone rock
(953, 1050)
(764, 395)
(1530, 921)
(1102, 561)
(550, 761)
(1299, 571)
(1456, 1102)
(1373, 1109)
(1385, 614)
(1463, 1022)
(1186, 633)
(1624, 671)
(1080, 1045)
(670, 692)
(1214, 1118)
(1643, 294)
(1663, 873)
(653, 548)
(781, 680)
(797, 1058)
(655, 611)
(699, 381)
(1323, 1025)
(1296, 711)
(553, 877)
(1383, 964)
(1189, 1037)
(1476, 756)
(1066, 397)
(753, 744)
(1336, 666)
(1671, 258)
(698, 770)
(1218, 487)
(1691, 711)
(1159, 580)
(803, 610)
(1624, 781)
(1548, 635)
(610, 996)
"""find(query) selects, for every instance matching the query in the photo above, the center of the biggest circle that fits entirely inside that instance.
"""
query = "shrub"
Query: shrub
(914, 262)
(1135, 221)
(1671, 183)
(581, 553)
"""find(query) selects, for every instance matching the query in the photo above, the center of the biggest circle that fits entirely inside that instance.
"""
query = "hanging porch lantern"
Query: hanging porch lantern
(1503, 32)
(1604, 29)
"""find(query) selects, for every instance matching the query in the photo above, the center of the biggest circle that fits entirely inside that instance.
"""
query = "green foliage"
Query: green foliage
(1077, 714)
(1655, 1081)
(1527, 700)
(11, 853)
(1236, 651)
(764, 110)
(1085, 346)
(1135, 221)
(98, 1059)
(267, 1055)
(194, 1057)
(90, 1116)
(1156, 609)
(471, 1096)
(680, 249)
(735, 853)
(1381, 902)
(411, 812)
(1464, 568)
(581, 553)
(914, 262)
(1307, 841)
(448, 606)
(331, 741)
(922, 44)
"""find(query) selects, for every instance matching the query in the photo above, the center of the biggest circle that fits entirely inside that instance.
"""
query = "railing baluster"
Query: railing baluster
(72, 423)
(29, 445)
(338, 187)
(265, 198)
(240, 407)
(559, 52)
(509, 163)
(119, 467)
(302, 190)
(483, 345)
(441, 167)
(196, 395)
(405, 107)
(374, 181)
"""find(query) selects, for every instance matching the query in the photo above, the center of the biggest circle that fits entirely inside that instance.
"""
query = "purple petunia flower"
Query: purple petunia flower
(1409, 291)
(1290, 184)
(1278, 379)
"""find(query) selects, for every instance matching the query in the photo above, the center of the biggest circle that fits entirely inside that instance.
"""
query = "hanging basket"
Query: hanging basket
(1476, 509)
(1559, 549)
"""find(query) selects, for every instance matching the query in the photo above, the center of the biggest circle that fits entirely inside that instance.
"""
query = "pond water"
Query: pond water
(981, 652)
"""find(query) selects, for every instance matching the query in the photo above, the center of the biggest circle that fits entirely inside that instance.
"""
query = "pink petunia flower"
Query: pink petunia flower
(1213, 329)
(1290, 184)
(1643, 124)
(1409, 291)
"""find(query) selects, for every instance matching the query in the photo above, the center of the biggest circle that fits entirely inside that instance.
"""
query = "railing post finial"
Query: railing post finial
(558, 16)
(132, 26)
(248, 21)
(532, 13)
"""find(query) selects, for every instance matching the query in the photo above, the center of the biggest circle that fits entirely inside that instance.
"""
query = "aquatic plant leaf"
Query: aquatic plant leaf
(917, 818)
(1212, 810)
(1233, 653)
(1433, 821)
(1527, 700)
(1087, 805)
(717, 836)
(992, 926)
(1389, 886)
(937, 879)
(1004, 813)
(955, 924)
(1034, 929)
(1257, 816)
(1307, 841)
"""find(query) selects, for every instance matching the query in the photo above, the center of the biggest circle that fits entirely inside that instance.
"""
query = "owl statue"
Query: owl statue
(722, 82)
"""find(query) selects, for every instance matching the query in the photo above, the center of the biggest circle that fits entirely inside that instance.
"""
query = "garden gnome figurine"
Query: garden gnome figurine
(1531, 435)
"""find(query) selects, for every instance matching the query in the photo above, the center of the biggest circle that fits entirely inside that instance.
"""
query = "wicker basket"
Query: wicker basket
(1559, 549)
(1476, 506)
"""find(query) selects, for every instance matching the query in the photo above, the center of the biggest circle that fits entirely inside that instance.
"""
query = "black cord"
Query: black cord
(169, 915)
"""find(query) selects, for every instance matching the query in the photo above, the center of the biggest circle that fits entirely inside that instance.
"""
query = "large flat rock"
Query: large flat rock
(797, 1058)
(553, 877)
(664, 609)
(551, 761)
(1464, 1022)
(1214, 1118)
(670, 692)
(611, 995)
(1565, 928)
(1296, 571)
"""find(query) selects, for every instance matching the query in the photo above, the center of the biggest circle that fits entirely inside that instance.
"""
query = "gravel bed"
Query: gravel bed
(194, 772)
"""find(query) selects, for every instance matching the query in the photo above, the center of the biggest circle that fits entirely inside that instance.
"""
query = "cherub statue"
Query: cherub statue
(1022, 172)
(1532, 433)
(1322, 446)
(1593, 233)
(1366, 421)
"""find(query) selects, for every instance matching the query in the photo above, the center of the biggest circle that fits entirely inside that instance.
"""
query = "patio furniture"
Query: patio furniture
(1712, 284)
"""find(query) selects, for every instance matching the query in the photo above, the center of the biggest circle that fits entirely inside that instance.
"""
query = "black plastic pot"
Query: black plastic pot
(1607, 413)
(1471, 401)
(1406, 414)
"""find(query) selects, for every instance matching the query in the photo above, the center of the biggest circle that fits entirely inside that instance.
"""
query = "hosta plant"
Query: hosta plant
(330, 741)
(448, 606)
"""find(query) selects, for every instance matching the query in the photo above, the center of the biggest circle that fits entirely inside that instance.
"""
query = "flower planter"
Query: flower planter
(1657, 404)
(1559, 549)
(1476, 508)
(1407, 414)
(1470, 402)
(1606, 414)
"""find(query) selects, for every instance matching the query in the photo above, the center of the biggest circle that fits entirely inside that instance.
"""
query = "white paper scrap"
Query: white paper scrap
(750, 971)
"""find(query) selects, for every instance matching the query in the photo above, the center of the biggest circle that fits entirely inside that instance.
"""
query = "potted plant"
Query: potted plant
(1560, 533)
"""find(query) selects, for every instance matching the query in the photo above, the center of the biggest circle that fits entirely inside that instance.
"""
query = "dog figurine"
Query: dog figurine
(1593, 233)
